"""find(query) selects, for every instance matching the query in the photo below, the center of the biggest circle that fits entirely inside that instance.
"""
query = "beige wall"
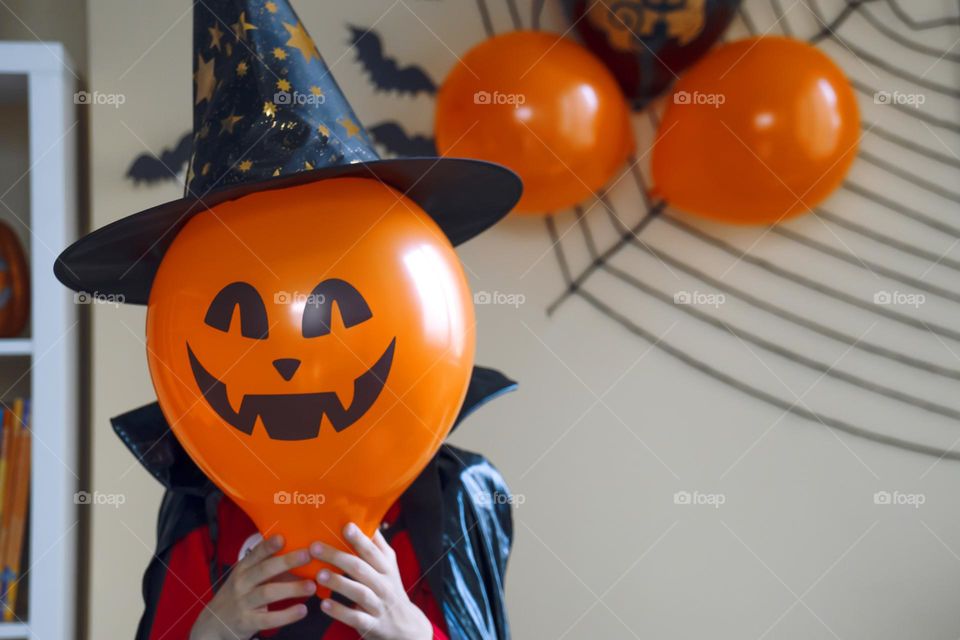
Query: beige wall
(605, 429)
(53, 20)
(156, 111)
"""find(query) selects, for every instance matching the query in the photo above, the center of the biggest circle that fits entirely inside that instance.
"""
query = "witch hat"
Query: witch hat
(268, 115)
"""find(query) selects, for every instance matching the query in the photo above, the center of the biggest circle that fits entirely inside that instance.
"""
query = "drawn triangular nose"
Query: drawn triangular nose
(286, 367)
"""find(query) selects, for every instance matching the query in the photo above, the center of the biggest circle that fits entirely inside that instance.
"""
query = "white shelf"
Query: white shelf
(38, 75)
(14, 630)
(15, 347)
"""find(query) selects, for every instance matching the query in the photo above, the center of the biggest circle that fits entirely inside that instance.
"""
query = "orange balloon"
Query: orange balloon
(543, 106)
(311, 347)
(759, 130)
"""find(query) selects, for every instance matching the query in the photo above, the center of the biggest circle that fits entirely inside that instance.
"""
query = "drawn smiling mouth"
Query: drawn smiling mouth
(294, 416)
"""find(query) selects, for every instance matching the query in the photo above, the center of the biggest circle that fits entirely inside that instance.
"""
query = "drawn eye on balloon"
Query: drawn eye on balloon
(243, 297)
(290, 416)
(318, 311)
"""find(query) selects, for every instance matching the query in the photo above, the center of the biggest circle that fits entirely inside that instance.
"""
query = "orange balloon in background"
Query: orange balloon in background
(311, 347)
(757, 131)
(541, 105)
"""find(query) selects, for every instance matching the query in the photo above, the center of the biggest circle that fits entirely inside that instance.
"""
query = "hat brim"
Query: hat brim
(463, 196)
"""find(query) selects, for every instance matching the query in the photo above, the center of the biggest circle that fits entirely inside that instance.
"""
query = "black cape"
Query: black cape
(457, 512)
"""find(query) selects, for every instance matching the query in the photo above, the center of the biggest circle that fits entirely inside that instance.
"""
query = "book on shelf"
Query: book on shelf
(15, 459)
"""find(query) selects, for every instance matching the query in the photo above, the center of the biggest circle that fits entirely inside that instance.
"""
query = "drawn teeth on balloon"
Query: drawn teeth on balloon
(294, 416)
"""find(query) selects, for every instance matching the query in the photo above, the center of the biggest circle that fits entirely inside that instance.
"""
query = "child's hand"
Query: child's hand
(383, 611)
(239, 608)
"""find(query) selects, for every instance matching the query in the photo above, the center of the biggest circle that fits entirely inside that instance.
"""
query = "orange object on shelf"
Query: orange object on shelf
(14, 284)
(15, 464)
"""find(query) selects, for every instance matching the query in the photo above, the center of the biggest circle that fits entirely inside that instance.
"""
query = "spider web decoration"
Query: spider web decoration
(844, 317)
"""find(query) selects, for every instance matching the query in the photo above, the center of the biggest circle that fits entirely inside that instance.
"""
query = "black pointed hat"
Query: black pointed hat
(268, 115)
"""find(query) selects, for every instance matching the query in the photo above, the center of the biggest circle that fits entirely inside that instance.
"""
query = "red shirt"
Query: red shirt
(187, 584)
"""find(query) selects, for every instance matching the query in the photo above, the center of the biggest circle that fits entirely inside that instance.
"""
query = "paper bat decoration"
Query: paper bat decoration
(150, 169)
(384, 71)
(392, 137)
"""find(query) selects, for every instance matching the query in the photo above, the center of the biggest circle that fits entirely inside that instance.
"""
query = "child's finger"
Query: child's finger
(273, 567)
(353, 566)
(365, 548)
(382, 544)
(359, 594)
(286, 577)
(263, 550)
(283, 617)
(276, 591)
(362, 622)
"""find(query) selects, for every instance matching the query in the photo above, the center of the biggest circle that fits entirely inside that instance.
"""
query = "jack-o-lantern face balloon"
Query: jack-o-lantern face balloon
(310, 348)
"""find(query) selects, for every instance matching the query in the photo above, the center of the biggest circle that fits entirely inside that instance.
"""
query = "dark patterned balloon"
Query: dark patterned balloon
(648, 43)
